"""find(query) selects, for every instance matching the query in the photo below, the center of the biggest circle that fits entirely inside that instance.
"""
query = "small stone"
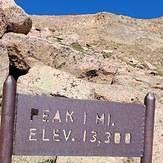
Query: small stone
(149, 66)
(133, 61)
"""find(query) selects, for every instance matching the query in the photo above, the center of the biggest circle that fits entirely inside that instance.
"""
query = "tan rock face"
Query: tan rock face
(3, 23)
(18, 20)
(27, 51)
(12, 19)
(56, 82)
(4, 63)
(4, 67)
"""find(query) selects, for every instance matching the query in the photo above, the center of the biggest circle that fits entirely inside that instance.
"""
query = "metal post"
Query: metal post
(7, 120)
(149, 101)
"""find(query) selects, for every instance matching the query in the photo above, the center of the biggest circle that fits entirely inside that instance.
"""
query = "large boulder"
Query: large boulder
(18, 20)
(27, 51)
(53, 82)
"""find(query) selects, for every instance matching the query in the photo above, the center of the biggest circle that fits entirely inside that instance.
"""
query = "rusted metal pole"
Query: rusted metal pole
(7, 120)
(149, 128)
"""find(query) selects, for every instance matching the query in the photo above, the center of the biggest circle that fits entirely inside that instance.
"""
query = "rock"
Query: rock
(55, 82)
(46, 32)
(107, 51)
(90, 159)
(133, 62)
(36, 159)
(3, 23)
(149, 66)
(4, 67)
(142, 82)
(27, 51)
(18, 20)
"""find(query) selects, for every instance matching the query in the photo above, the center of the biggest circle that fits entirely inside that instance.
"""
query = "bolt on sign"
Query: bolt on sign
(59, 126)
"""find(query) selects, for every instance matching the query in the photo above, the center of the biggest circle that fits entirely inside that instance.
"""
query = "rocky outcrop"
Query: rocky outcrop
(4, 67)
(54, 82)
(12, 19)
(17, 20)
(4, 62)
(3, 23)
(27, 51)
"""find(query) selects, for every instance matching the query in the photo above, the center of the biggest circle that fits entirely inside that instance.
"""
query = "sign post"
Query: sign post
(149, 102)
(7, 120)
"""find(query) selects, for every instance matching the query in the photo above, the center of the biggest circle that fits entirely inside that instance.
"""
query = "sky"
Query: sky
(143, 9)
